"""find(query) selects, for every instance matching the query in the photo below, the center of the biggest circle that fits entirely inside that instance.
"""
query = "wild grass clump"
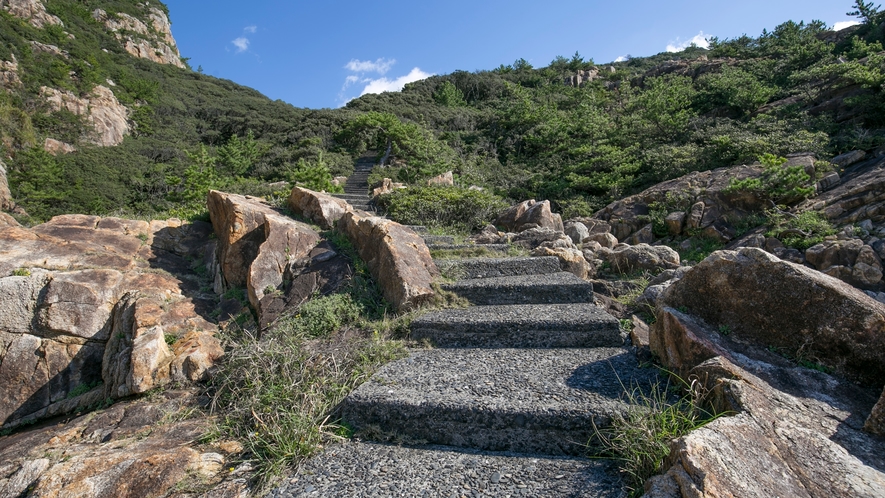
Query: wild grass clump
(276, 394)
(639, 439)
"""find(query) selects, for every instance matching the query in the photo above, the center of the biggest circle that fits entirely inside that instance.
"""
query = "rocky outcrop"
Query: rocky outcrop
(702, 197)
(321, 208)
(787, 431)
(154, 43)
(9, 78)
(763, 300)
(91, 306)
(6, 202)
(848, 260)
(107, 117)
(32, 11)
(396, 256)
(570, 260)
(641, 257)
(138, 448)
(446, 179)
(56, 147)
(256, 243)
(387, 187)
(529, 214)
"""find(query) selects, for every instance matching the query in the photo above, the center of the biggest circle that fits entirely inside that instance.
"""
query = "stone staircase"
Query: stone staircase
(505, 402)
(356, 189)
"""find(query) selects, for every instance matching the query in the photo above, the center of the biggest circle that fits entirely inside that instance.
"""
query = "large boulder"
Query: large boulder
(875, 423)
(703, 195)
(538, 236)
(446, 179)
(396, 256)
(848, 260)
(642, 257)
(529, 214)
(570, 260)
(64, 289)
(321, 208)
(256, 243)
(786, 431)
(798, 311)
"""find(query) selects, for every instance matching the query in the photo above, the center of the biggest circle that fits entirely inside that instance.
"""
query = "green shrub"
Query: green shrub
(313, 175)
(322, 316)
(454, 207)
(799, 231)
(778, 183)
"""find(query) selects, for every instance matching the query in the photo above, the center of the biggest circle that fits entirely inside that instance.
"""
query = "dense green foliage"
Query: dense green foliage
(518, 131)
(459, 208)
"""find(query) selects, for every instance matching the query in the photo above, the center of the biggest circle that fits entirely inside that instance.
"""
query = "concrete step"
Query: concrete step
(439, 239)
(355, 197)
(468, 268)
(419, 229)
(357, 469)
(520, 326)
(543, 401)
(553, 288)
(459, 247)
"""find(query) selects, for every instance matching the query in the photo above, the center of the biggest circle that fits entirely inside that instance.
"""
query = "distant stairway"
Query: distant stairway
(505, 402)
(356, 189)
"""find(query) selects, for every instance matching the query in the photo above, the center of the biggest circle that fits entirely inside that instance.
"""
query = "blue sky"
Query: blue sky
(321, 53)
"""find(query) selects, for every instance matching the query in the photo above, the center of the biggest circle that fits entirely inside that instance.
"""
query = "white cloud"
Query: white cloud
(621, 58)
(839, 26)
(380, 66)
(250, 29)
(699, 39)
(242, 44)
(387, 85)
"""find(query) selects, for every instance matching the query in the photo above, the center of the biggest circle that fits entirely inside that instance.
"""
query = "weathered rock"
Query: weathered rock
(705, 196)
(828, 182)
(626, 259)
(773, 303)
(489, 235)
(108, 118)
(195, 355)
(604, 239)
(71, 276)
(56, 147)
(521, 216)
(397, 257)
(9, 78)
(834, 253)
(848, 158)
(445, 179)
(675, 222)
(644, 236)
(858, 197)
(535, 237)
(848, 260)
(577, 231)
(387, 187)
(6, 203)
(790, 432)
(875, 423)
(32, 11)
(570, 260)
(322, 209)
(140, 40)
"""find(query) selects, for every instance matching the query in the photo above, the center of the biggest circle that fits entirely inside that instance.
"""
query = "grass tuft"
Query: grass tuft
(639, 439)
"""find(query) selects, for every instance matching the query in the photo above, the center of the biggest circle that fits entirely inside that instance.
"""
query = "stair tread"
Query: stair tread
(471, 268)
(525, 400)
(550, 288)
(352, 469)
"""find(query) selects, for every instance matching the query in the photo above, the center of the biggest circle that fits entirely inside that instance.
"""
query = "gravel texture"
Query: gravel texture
(470, 268)
(524, 400)
(562, 287)
(520, 326)
(356, 469)
(455, 247)
(439, 239)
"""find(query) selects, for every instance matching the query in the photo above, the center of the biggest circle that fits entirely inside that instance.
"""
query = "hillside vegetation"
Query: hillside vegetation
(519, 132)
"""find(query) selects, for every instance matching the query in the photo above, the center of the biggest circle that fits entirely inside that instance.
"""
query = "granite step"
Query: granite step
(419, 229)
(540, 401)
(460, 247)
(439, 239)
(358, 469)
(469, 268)
(520, 326)
(553, 288)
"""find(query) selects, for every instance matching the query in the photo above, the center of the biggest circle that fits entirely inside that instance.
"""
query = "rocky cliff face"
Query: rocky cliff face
(32, 11)
(99, 308)
(154, 42)
(107, 117)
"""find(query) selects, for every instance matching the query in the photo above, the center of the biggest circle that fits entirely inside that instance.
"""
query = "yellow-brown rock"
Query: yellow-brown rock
(396, 256)
(318, 207)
